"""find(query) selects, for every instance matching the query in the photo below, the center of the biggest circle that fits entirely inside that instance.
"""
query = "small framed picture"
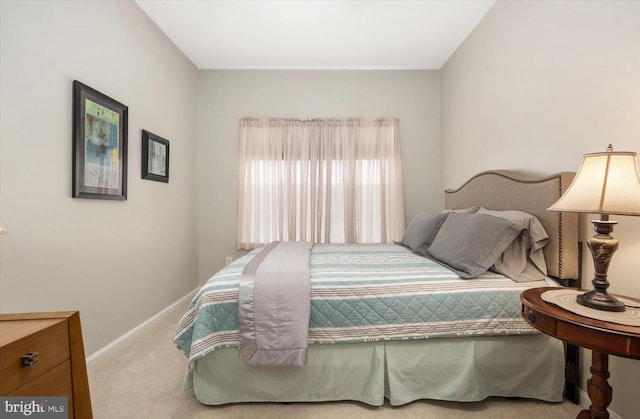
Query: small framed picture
(99, 145)
(155, 157)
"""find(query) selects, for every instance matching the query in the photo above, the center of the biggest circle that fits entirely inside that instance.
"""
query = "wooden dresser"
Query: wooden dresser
(42, 355)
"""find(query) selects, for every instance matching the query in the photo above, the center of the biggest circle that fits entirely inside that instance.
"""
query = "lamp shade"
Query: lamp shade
(606, 183)
(2, 230)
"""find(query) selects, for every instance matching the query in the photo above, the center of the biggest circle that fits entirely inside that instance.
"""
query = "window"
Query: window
(325, 181)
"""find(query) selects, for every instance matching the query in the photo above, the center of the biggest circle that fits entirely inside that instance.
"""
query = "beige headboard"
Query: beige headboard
(507, 190)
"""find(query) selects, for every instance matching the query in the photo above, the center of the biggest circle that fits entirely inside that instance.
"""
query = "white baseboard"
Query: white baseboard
(104, 350)
(585, 402)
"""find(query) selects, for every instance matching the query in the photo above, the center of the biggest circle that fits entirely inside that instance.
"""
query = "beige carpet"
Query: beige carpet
(141, 378)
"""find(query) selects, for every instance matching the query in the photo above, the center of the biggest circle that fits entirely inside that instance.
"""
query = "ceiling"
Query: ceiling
(313, 34)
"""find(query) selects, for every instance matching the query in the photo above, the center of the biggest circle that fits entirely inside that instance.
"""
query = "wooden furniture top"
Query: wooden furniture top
(37, 315)
(603, 336)
(11, 331)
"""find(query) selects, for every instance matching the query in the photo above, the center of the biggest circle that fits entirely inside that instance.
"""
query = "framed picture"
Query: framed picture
(99, 145)
(155, 157)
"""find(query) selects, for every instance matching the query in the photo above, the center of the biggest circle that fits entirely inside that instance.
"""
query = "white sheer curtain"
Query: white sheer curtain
(320, 180)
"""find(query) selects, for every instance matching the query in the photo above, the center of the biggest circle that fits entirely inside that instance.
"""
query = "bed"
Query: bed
(438, 352)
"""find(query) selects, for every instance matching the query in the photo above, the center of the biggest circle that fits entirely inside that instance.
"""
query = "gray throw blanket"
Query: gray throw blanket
(274, 305)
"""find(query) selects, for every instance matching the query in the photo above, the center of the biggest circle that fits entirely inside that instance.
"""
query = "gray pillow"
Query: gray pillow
(469, 244)
(523, 260)
(422, 229)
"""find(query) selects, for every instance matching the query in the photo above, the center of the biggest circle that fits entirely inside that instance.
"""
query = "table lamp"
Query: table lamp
(2, 230)
(606, 183)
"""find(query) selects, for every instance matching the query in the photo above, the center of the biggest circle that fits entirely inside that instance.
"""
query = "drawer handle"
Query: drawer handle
(29, 359)
(531, 317)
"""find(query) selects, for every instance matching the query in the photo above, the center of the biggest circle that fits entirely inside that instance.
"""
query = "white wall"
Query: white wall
(118, 262)
(535, 86)
(225, 96)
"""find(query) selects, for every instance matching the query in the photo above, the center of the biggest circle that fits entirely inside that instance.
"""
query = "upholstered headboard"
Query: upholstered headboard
(507, 190)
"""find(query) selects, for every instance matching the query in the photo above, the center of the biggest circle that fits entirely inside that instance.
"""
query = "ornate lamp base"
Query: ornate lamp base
(602, 247)
(599, 301)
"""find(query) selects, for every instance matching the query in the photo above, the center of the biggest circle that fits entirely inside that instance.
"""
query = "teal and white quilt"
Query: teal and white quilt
(368, 292)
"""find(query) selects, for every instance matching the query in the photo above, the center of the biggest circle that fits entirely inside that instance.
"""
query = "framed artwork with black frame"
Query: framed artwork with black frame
(155, 157)
(100, 127)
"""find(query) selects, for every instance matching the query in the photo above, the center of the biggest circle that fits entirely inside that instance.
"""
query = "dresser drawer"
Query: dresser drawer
(53, 383)
(50, 340)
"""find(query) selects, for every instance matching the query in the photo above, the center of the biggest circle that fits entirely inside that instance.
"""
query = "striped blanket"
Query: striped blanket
(366, 293)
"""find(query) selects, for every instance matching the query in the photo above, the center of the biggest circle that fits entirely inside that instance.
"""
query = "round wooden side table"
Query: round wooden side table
(602, 337)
